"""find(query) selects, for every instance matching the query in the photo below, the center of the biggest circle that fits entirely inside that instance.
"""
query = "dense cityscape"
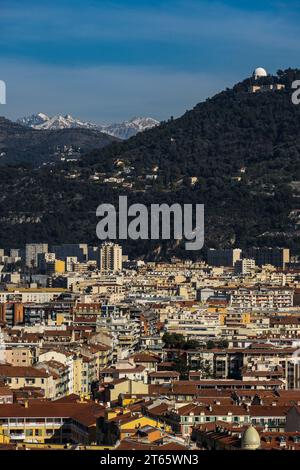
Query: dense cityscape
(99, 351)
(149, 233)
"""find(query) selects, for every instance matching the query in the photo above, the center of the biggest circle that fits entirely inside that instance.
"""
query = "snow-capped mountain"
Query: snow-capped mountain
(34, 120)
(127, 129)
(41, 121)
(122, 130)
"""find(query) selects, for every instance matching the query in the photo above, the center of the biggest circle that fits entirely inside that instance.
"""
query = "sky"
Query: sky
(110, 60)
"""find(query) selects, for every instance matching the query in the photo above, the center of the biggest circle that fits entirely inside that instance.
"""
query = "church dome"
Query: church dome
(250, 439)
(259, 72)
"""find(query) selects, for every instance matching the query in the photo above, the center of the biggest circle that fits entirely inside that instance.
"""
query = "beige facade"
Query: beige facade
(19, 356)
(20, 377)
(111, 257)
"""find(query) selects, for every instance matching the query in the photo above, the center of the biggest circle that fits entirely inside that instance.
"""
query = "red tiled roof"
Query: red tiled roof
(85, 413)
(19, 371)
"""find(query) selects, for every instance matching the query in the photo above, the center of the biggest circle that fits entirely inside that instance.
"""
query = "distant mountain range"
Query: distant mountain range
(123, 130)
(27, 145)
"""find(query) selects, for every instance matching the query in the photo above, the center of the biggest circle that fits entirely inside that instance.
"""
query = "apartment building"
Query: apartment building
(26, 295)
(18, 377)
(12, 313)
(226, 257)
(71, 250)
(32, 250)
(244, 266)
(6, 395)
(200, 324)
(51, 422)
(110, 257)
(261, 297)
(278, 257)
(19, 355)
(78, 370)
(118, 323)
(124, 369)
(184, 418)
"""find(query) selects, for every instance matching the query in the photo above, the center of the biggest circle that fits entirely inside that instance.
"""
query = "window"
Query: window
(30, 381)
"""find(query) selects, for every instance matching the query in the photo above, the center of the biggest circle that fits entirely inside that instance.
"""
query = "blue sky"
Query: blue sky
(111, 60)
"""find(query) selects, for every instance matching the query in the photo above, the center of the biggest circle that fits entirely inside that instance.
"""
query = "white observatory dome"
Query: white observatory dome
(259, 72)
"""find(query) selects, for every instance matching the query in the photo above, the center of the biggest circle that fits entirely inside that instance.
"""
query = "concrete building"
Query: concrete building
(57, 266)
(226, 257)
(19, 355)
(12, 313)
(80, 250)
(260, 297)
(70, 263)
(43, 259)
(51, 423)
(18, 377)
(111, 257)
(278, 257)
(244, 266)
(32, 250)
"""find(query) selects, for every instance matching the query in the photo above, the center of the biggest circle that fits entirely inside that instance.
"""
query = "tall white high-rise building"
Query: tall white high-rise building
(111, 257)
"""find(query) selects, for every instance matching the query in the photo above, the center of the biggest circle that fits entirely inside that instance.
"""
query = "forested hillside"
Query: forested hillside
(238, 153)
(33, 148)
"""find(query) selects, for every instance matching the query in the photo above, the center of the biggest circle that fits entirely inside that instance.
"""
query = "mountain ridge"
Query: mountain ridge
(123, 130)
(25, 145)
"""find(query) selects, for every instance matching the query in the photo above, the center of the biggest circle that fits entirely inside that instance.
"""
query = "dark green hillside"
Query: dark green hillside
(218, 137)
(19, 144)
(242, 150)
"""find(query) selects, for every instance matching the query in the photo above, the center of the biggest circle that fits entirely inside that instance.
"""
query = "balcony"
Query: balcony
(15, 437)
